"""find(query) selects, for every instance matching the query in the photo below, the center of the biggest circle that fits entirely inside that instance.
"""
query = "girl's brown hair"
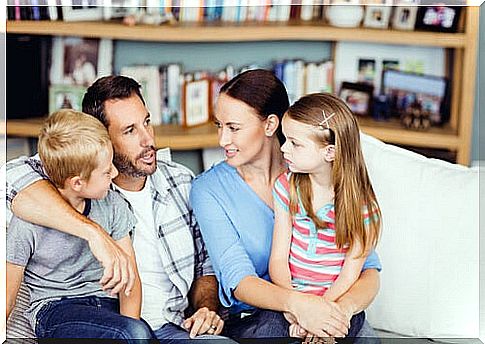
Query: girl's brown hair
(352, 186)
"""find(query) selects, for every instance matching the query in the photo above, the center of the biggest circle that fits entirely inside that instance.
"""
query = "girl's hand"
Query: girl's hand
(296, 331)
(318, 316)
(290, 317)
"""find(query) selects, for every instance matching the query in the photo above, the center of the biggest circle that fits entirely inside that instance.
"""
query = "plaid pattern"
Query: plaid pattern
(181, 248)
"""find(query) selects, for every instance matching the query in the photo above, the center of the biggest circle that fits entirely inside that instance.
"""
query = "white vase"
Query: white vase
(344, 16)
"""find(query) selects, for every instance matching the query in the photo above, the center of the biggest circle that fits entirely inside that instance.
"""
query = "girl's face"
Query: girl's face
(301, 152)
(241, 132)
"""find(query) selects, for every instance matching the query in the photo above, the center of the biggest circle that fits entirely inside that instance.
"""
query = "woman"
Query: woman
(233, 204)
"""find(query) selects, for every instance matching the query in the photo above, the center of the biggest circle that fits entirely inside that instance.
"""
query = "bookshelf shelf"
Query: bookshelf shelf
(455, 136)
(234, 33)
(205, 136)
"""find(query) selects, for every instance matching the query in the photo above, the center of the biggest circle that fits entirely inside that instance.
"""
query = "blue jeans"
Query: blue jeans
(261, 324)
(171, 333)
(89, 317)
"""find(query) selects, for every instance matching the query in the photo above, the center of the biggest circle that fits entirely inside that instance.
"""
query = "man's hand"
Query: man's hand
(119, 273)
(319, 316)
(204, 321)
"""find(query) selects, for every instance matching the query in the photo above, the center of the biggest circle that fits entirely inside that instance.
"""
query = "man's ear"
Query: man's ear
(75, 183)
(272, 123)
(329, 153)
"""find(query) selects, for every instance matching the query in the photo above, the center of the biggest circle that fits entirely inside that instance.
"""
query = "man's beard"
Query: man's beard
(126, 167)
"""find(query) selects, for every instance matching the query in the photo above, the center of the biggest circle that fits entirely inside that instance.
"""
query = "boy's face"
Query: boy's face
(97, 186)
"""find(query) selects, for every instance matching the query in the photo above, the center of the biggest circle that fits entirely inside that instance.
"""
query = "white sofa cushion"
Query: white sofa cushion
(429, 245)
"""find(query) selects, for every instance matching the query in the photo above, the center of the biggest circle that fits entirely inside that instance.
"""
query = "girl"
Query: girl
(327, 218)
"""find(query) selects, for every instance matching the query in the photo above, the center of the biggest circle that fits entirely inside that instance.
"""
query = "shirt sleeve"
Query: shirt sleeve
(20, 173)
(281, 192)
(123, 220)
(20, 242)
(229, 258)
(372, 262)
(203, 263)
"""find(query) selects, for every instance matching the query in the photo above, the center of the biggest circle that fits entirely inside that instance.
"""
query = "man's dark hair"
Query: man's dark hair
(108, 88)
(261, 90)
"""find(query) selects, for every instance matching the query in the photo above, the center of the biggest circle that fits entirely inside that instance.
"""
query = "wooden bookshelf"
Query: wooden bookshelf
(205, 136)
(235, 33)
(173, 136)
(455, 136)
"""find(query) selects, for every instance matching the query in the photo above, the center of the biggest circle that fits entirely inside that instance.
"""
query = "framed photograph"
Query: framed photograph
(66, 97)
(404, 17)
(79, 10)
(367, 71)
(377, 17)
(196, 105)
(438, 18)
(407, 91)
(365, 62)
(80, 61)
(149, 79)
(358, 97)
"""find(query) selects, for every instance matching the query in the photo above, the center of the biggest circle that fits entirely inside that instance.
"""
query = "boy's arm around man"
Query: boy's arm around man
(31, 197)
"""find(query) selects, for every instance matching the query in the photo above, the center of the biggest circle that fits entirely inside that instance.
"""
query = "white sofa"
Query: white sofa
(429, 245)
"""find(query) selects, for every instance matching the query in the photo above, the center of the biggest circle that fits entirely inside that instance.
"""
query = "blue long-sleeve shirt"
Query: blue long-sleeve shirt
(237, 227)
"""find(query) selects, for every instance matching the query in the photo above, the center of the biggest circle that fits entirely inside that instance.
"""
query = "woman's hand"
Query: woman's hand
(319, 316)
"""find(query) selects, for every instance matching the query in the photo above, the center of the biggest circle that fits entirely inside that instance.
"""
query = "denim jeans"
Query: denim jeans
(171, 333)
(261, 324)
(89, 317)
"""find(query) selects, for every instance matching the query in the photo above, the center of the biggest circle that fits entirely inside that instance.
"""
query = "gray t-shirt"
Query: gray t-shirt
(61, 265)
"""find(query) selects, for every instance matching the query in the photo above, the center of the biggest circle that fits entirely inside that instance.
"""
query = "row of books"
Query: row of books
(175, 97)
(238, 11)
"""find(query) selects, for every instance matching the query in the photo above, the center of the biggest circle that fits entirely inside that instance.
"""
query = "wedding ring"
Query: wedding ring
(213, 327)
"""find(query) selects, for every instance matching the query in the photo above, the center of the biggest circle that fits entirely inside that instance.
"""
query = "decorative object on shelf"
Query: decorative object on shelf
(377, 17)
(358, 97)
(113, 9)
(82, 11)
(65, 97)
(415, 118)
(80, 61)
(438, 18)
(408, 91)
(196, 105)
(352, 57)
(344, 13)
(381, 108)
(404, 17)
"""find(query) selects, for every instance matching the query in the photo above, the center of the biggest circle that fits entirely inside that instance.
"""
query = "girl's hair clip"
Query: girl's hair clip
(324, 123)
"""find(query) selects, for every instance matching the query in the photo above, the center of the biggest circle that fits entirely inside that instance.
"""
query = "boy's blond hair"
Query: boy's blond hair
(69, 143)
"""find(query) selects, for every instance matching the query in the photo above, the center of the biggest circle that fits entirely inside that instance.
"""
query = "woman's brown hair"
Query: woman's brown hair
(352, 186)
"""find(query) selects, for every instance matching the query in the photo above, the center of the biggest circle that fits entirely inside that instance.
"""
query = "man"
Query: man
(172, 261)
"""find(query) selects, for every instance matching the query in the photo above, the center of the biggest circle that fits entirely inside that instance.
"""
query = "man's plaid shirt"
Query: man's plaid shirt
(181, 248)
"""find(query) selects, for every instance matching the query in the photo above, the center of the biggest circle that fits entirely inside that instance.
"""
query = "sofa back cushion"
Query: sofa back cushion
(429, 245)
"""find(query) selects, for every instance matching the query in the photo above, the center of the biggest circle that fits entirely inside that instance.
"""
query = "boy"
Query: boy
(61, 273)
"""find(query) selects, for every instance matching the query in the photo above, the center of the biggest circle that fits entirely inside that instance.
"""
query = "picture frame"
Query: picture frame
(438, 18)
(416, 59)
(358, 97)
(66, 97)
(404, 17)
(81, 10)
(196, 102)
(377, 17)
(430, 94)
(149, 79)
(80, 61)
